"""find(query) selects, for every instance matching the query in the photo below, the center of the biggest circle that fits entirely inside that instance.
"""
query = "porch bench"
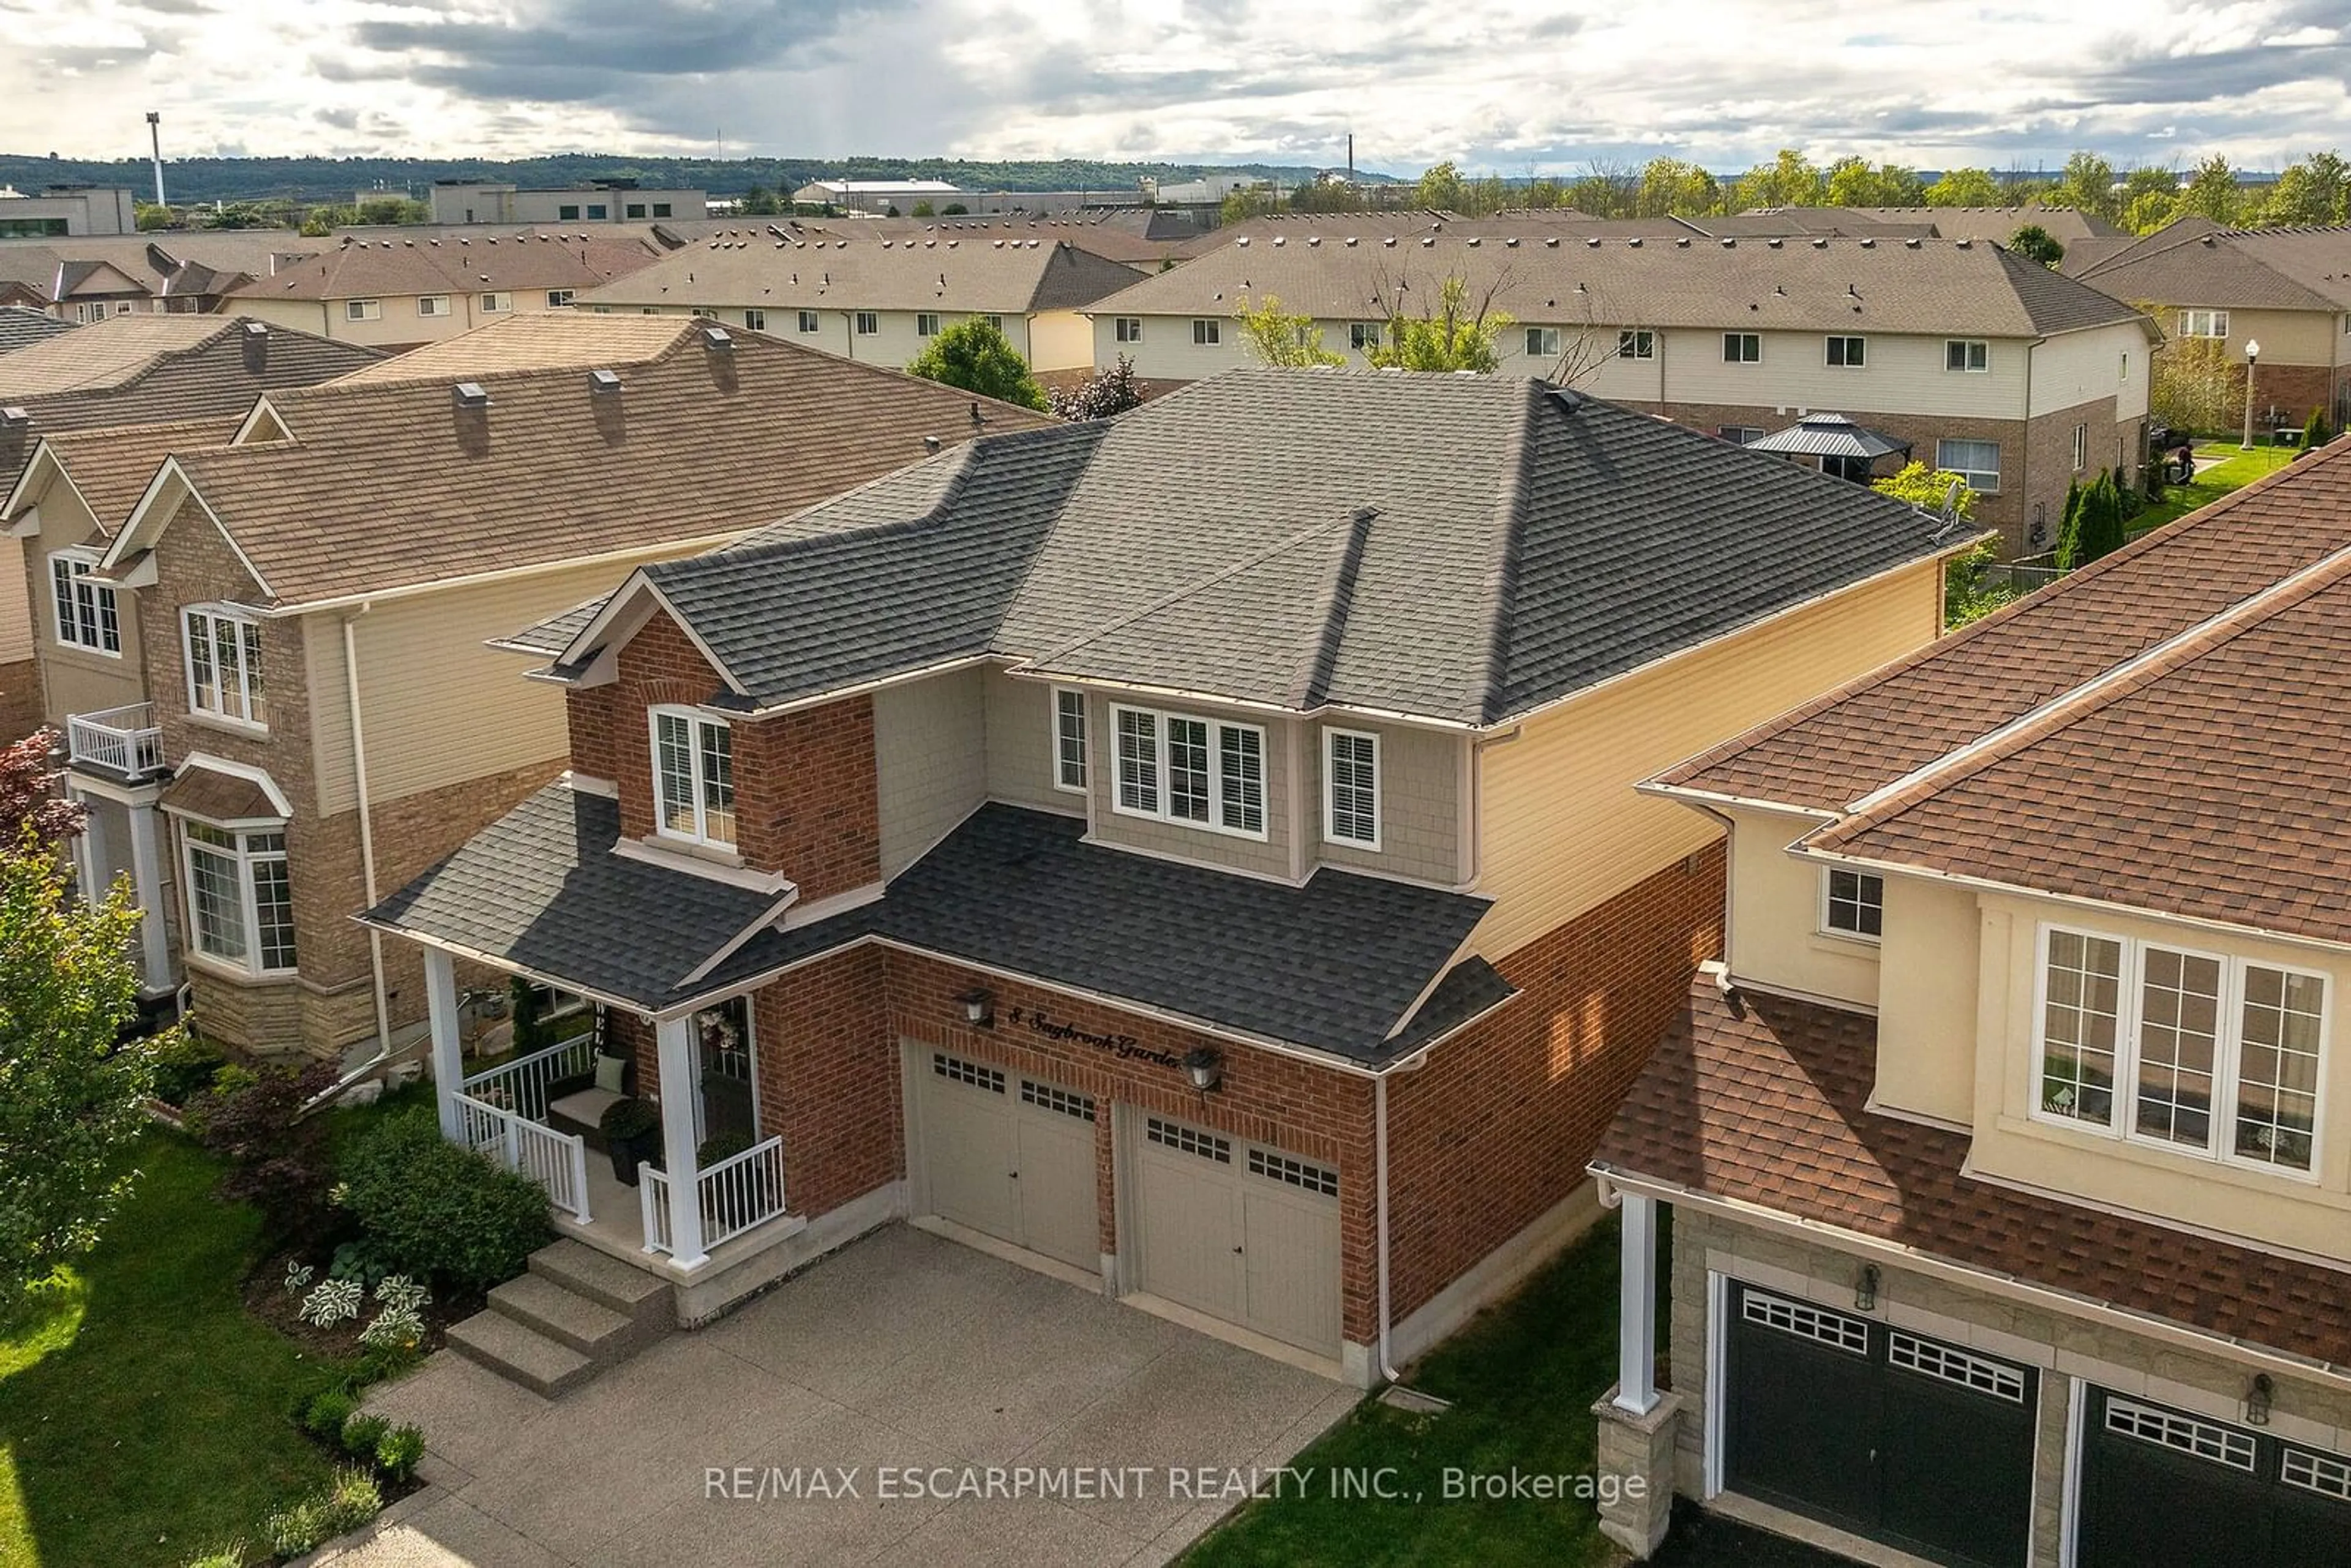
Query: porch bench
(575, 1105)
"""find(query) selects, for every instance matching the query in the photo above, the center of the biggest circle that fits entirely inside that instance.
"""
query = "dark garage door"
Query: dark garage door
(1905, 1439)
(2162, 1489)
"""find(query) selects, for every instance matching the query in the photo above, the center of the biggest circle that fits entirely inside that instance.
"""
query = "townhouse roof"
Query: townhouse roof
(531, 340)
(111, 466)
(1291, 226)
(999, 272)
(2065, 224)
(105, 354)
(1334, 965)
(167, 266)
(2194, 261)
(388, 485)
(1459, 549)
(20, 324)
(1343, 268)
(2090, 627)
(1763, 1100)
(366, 269)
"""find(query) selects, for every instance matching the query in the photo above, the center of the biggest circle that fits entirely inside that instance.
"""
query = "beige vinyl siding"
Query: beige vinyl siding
(1420, 803)
(1562, 828)
(2276, 1210)
(1020, 745)
(15, 608)
(1167, 351)
(1927, 1000)
(894, 345)
(930, 761)
(2286, 336)
(2075, 368)
(1268, 856)
(73, 679)
(1902, 373)
(1776, 940)
(1058, 340)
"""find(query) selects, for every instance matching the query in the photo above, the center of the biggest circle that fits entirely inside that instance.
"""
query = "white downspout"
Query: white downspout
(366, 827)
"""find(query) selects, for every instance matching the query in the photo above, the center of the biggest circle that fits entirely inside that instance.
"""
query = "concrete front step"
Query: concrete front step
(520, 1354)
(643, 1298)
(563, 1315)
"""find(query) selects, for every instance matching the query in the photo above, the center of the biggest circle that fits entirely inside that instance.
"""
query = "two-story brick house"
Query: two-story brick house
(2004, 1150)
(1232, 896)
(274, 682)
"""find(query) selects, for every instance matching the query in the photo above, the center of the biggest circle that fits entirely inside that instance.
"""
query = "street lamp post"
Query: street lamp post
(2252, 358)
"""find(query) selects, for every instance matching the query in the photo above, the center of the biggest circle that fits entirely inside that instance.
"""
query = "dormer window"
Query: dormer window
(1351, 788)
(693, 777)
(1202, 772)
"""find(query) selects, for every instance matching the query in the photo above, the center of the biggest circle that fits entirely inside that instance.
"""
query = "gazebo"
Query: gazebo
(1845, 449)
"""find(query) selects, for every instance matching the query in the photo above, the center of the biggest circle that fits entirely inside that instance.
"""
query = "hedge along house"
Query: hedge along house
(297, 712)
(2006, 1150)
(1232, 896)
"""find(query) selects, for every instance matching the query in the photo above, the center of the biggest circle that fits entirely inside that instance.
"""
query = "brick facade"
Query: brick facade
(20, 699)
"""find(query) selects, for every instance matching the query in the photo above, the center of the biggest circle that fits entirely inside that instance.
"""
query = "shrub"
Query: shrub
(720, 1146)
(276, 1159)
(332, 1301)
(352, 1501)
(434, 1208)
(300, 1529)
(395, 1325)
(2317, 432)
(327, 1412)
(397, 1454)
(362, 1433)
(185, 1065)
(626, 1120)
(531, 1031)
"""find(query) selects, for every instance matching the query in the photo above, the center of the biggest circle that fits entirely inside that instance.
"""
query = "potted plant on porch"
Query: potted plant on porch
(631, 1130)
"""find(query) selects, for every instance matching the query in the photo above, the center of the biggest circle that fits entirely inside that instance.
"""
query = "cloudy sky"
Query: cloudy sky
(1503, 84)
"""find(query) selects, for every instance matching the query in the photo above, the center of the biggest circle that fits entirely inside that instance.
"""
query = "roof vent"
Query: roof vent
(716, 338)
(931, 445)
(1351, 241)
(257, 329)
(1730, 242)
(1963, 245)
(1474, 242)
(1632, 244)
(1774, 243)
(1820, 244)
(1280, 240)
(2206, 241)
(1682, 243)
(471, 394)
(1591, 242)
(1869, 244)
(1428, 240)
(604, 381)
(1389, 242)
(15, 413)
(1313, 241)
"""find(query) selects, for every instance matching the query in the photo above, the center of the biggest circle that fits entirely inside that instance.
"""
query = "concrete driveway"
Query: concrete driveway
(904, 1351)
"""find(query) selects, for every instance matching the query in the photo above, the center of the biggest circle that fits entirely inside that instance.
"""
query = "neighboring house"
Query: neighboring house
(2068, 226)
(458, 201)
(89, 280)
(22, 326)
(875, 195)
(62, 209)
(395, 293)
(1230, 892)
(1989, 365)
(882, 297)
(283, 627)
(2287, 289)
(2007, 1151)
(126, 371)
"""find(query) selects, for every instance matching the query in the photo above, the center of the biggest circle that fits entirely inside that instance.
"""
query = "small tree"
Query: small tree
(1279, 338)
(2036, 244)
(2069, 537)
(69, 1095)
(954, 210)
(1451, 337)
(276, 1156)
(2317, 432)
(924, 210)
(975, 354)
(1967, 595)
(28, 792)
(1927, 489)
(2095, 528)
(1106, 392)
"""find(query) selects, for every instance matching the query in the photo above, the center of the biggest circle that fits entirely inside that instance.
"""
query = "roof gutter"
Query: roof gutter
(660, 549)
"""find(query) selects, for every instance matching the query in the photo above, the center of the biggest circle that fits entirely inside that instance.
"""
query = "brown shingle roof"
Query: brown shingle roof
(1896, 720)
(369, 270)
(392, 486)
(995, 271)
(533, 340)
(110, 467)
(1761, 1099)
(103, 354)
(2196, 262)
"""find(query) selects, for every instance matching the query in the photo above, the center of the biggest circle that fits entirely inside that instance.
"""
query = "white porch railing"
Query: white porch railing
(557, 1161)
(521, 1085)
(122, 738)
(739, 1192)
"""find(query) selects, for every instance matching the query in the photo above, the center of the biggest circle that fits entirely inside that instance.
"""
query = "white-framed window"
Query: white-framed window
(1542, 343)
(1637, 344)
(2081, 447)
(995, 322)
(1742, 348)
(926, 324)
(808, 321)
(224, 653)
(1362, 336)
(363, 309)
(1847, 353)
(240, 907)
(1742, 434)
(497, 304)
(702, 312)
(2203, 323)
(1351, 788)
(90, 310)
(1195, 772)
(2122, 371)
(1069, 739)
(1128, 329)
(757, 320)
(2194, 1052)
(84, 612)
(693, 777)
(557, 298)
(1967, 354)
(1206, 332)
(432, 305)
(869, 323)
(1976, 461)
(1853, 903)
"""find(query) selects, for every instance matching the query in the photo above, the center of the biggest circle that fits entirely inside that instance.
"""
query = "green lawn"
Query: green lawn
(142, 1411)
(2238, 469)
(1521, 1379)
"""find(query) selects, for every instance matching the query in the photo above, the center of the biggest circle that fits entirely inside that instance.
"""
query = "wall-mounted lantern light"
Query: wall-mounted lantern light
(1865, 1290)
(1205, 1067)
(978, 1008)
(2257, 1400)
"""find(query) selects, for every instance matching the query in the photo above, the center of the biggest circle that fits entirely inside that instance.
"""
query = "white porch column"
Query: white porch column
(93, 854)
(448, 1050)
(147, 881)
(675, 1038)
(1636, 1308)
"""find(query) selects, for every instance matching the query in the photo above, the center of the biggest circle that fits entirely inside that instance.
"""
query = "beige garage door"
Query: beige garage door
(1010, 1156)
(1239, 1231)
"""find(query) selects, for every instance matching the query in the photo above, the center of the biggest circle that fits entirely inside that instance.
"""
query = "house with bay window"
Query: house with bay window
(2006, 1146)
(1230, 897)
(263, 634)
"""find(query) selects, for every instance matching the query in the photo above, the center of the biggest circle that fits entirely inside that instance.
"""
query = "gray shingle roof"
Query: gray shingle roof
(1458, 548)
(1000, 273)
(21, 326)
(1332, 966)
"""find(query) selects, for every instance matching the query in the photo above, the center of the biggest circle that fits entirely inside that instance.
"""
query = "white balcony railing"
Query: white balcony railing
(557, 1161)
(521, 1085)
(122, 738)
(739, 1192)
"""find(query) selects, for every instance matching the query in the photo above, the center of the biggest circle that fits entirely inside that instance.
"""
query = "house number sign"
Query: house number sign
(1125, 1047)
